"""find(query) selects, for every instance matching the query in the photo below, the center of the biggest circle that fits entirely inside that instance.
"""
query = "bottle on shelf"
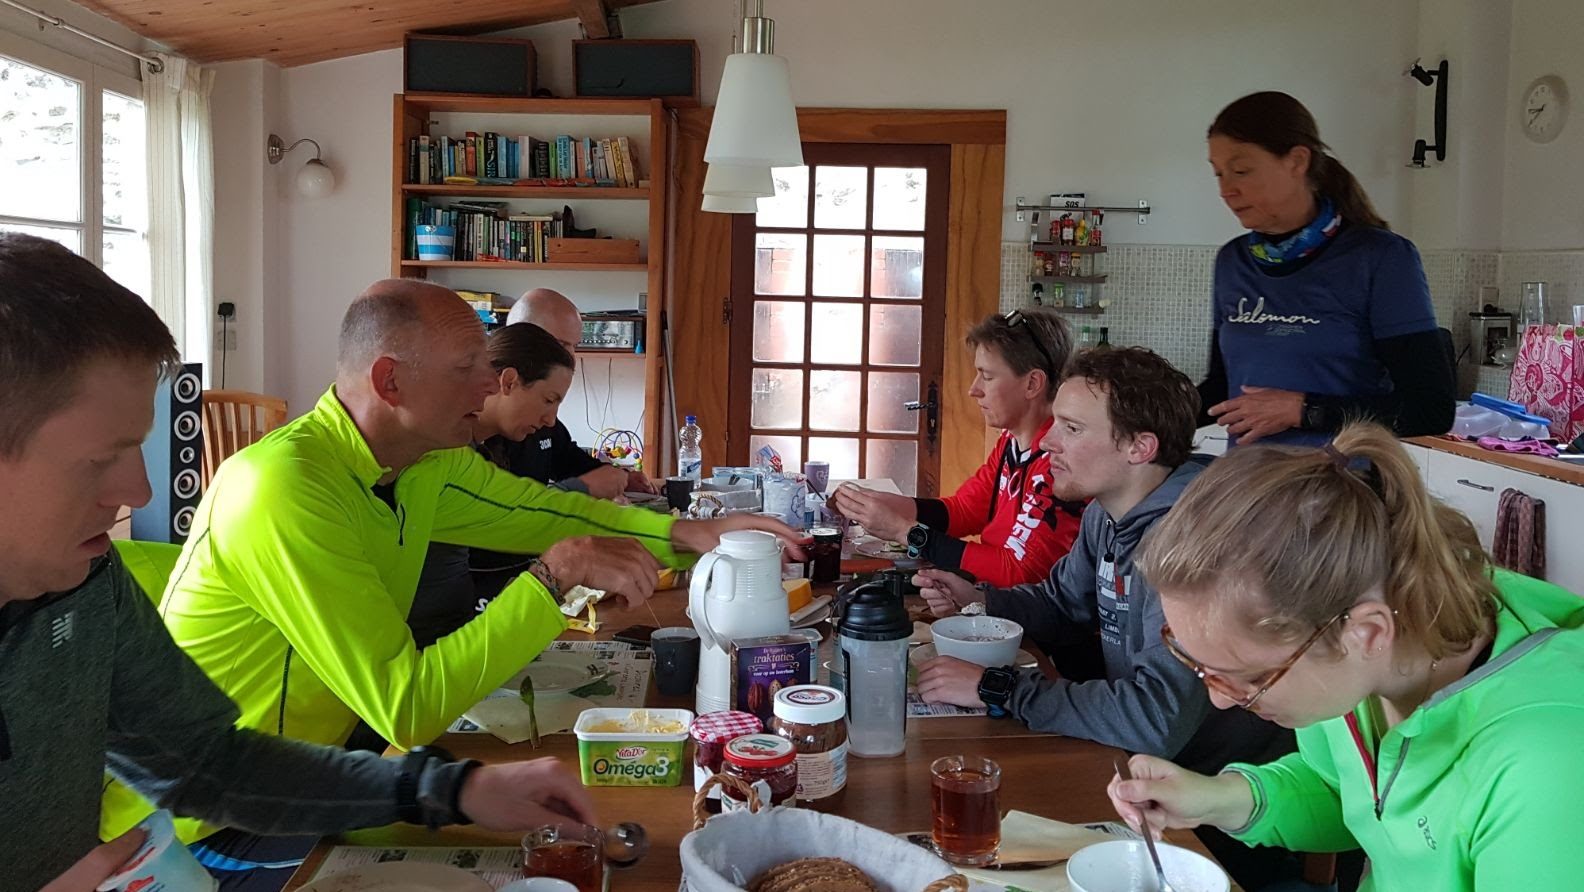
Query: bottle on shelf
(690, 454)
(1037, 294)
(1105, 337)
(1085, 337)
(1080, 297)
(1058, 295)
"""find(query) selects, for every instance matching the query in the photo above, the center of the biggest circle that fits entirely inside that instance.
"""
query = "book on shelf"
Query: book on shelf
(492, 158)
(485, 231)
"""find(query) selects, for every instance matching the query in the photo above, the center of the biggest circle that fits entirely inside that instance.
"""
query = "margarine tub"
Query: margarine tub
(632, 747)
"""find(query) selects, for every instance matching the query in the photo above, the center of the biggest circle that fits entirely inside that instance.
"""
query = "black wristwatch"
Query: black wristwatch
(995, 688)
(417, 802)
(1314, 416)
(917, 539)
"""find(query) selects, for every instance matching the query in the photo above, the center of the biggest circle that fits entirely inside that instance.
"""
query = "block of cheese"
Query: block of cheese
(799, 594)
(668, 579)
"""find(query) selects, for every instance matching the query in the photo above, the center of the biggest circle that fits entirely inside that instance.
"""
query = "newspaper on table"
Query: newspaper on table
(496, 865)
(629, 681)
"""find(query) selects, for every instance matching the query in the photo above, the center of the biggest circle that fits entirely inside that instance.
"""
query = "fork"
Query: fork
(1149, 836)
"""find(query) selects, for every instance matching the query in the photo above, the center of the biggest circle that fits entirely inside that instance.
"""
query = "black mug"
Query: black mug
(678, 492)
(676, 659)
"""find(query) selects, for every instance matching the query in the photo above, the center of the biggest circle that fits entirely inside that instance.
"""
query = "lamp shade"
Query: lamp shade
(721, 204)
(755, 121)
(731, 181)
(315, 180)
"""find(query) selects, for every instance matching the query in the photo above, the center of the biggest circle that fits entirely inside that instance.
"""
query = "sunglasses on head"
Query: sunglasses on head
(1244, 694)
(1016, 318)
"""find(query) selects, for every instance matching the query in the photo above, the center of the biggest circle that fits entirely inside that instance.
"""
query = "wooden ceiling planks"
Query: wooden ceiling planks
(305, 31)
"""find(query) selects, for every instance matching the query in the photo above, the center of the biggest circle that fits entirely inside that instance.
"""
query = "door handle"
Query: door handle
(931, 410)
(1472, 485)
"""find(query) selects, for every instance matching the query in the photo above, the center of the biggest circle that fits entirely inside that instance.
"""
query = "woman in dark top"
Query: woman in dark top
(1322, 314)
(535, 372)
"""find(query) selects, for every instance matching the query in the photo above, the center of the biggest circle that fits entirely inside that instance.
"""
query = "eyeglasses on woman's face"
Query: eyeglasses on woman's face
(1225, 681)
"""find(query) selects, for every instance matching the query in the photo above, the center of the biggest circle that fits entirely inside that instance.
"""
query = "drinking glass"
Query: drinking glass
(965, 805)
(566, 851)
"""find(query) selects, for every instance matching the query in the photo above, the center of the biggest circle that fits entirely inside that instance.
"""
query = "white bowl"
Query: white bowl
(982, 640)
(1123, 865)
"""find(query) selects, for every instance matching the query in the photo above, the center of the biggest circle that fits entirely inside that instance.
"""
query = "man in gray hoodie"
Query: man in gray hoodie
(89, 677)
(1123, 438)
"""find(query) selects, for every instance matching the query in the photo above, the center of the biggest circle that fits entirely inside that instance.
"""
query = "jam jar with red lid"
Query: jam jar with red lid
(764, 761)
(711, 732)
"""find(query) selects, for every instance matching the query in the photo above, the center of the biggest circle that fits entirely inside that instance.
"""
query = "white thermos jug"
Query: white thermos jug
(736, 593)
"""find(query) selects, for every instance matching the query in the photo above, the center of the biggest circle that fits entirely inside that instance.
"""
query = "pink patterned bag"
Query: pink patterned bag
(1548, 377)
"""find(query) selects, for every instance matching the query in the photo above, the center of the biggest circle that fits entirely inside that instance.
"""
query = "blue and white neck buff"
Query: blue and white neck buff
(1300, 244)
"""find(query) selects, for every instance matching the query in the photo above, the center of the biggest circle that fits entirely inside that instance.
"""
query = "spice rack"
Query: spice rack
(1067, 251)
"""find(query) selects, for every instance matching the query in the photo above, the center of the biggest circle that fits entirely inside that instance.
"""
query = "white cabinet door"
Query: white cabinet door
(1211, 440)
(1475, 487)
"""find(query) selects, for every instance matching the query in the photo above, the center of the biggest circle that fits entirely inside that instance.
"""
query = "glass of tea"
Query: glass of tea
(965, 805)
(567, 851)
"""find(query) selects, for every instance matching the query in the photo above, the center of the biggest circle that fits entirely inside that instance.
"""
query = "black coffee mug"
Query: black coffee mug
(676, 650)
(678, 492)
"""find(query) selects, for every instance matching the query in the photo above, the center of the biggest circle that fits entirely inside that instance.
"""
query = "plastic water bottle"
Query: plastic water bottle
(690, 455)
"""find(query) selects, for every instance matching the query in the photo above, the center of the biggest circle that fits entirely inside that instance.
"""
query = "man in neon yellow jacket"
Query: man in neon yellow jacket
(293, 588)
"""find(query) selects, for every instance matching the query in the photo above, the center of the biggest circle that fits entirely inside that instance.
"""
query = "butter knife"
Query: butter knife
(925, 840)
(527, 692)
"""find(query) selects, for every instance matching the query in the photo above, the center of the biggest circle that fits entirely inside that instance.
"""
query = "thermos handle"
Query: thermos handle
(710, 567)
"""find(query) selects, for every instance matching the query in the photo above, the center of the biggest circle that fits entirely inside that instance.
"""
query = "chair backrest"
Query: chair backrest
(234, 419)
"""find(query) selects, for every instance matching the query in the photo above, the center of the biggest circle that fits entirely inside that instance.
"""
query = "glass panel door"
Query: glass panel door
(837, 306)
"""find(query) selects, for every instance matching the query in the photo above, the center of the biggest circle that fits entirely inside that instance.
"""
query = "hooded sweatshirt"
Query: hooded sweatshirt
(90, 678)
(1148, 702)
(1478, 788)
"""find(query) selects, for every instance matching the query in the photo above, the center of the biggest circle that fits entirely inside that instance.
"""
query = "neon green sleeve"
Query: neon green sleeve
(1524, 777)
(486, 507)
(1296, 802)
(300, 565)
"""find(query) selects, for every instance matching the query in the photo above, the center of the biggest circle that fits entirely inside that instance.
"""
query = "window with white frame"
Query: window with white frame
(72, 144)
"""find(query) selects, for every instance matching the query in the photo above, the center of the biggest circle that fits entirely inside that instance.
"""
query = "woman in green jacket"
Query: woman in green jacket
(1437, 699)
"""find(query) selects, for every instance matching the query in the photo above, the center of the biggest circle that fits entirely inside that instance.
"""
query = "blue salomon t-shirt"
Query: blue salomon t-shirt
(1313, 330)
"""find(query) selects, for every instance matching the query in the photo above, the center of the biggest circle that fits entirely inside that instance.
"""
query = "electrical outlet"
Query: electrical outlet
(227, 339)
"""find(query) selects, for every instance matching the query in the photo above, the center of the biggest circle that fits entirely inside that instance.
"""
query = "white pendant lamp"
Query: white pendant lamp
(721, 204)
(731, 181)
(755, 122)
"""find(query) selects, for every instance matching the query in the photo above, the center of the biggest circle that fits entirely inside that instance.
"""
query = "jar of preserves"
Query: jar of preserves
(765, 762)
(711, 732)
(814, 719)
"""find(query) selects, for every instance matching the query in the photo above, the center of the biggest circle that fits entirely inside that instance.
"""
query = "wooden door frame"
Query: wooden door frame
(700, 271)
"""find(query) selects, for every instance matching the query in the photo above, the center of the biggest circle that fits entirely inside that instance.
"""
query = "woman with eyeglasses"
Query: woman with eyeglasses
(1322, 313)
(1438, 699)
(1023, 530)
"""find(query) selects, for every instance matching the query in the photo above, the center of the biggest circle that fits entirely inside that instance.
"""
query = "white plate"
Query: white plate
(400, 876)
(559, 671)
(875, 547)
(926, 652)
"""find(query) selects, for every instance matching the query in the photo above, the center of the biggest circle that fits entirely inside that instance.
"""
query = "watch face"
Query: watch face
(917, 537)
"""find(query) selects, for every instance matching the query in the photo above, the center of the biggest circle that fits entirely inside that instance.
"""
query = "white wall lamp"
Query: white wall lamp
(755, 123)
(316, 179)
(738, 187)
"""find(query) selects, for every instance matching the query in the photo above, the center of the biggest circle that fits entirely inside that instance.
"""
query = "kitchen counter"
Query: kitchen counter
(1565, 471)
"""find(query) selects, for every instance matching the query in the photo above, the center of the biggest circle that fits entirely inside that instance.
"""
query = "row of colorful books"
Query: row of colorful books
(484, 231)
(495, 158)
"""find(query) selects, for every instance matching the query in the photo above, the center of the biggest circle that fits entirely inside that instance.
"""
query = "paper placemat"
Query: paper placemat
(629, 684)
(494, 865)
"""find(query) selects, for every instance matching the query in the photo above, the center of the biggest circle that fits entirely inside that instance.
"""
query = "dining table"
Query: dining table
(1055, 777)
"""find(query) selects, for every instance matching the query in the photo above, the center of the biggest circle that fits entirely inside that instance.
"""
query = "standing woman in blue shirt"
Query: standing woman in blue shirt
(1322, 313)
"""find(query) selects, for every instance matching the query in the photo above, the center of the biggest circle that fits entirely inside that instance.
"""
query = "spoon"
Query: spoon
(626, 844)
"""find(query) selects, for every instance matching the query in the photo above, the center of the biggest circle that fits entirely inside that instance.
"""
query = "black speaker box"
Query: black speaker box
(470, 66)
(663, 69)
(173, 456)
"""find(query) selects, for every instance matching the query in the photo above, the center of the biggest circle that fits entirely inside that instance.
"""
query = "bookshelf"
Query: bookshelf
(645, 121)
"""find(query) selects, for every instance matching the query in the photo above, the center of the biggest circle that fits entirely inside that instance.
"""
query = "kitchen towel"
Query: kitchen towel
(1520, 534)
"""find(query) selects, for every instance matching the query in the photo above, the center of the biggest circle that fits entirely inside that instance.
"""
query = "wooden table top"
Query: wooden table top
(1051, 776)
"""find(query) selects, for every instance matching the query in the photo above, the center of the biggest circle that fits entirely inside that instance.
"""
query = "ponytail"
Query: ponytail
(1328, 177)
(1284, 539)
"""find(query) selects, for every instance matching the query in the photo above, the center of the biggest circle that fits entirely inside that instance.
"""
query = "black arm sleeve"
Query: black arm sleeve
(567, 458)
(1213, 389)
(1424, 389)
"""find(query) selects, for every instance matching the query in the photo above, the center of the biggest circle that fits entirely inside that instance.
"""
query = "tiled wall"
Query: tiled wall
(1159, 296)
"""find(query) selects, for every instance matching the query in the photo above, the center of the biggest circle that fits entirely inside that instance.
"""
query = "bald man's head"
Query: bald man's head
(551, 311)
(396, 318)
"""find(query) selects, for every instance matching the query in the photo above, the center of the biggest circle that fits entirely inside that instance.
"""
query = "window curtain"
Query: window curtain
(181, 203)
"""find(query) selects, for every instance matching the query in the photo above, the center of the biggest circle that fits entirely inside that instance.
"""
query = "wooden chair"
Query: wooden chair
(233, 419)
